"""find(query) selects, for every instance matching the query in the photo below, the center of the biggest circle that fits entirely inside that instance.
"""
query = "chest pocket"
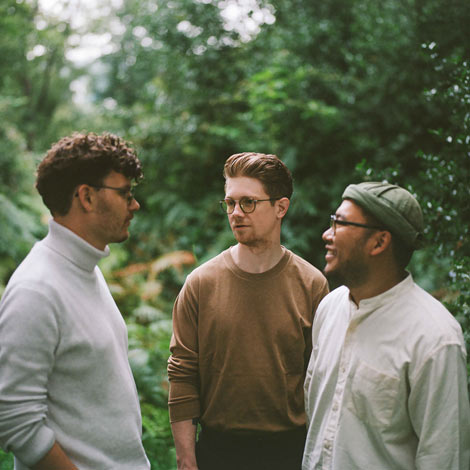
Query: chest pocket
(372, 395)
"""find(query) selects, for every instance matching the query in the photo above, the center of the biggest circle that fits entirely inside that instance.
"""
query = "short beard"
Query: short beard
(353, 273)
(256, 243)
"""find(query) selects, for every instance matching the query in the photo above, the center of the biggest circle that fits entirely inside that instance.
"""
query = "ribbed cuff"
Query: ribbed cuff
(36, 447)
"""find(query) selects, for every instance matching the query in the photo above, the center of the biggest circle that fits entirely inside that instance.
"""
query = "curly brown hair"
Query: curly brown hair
(82, 158)
(268, 169)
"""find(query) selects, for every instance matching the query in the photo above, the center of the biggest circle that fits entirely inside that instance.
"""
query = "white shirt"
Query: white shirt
(386, 385)
(64, 372)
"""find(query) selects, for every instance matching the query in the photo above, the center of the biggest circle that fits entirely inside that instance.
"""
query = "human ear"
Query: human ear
(381, 241)
(85, 197)
(282, 206)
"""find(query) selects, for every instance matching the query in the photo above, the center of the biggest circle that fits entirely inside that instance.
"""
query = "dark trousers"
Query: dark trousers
(250, 450)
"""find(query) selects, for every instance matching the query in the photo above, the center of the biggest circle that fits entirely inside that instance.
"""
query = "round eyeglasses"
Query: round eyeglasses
(247, 204)
(334, 221)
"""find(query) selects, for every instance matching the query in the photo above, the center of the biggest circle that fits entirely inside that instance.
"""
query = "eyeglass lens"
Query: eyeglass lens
(247, 205)
(127, 194)
(333, 224)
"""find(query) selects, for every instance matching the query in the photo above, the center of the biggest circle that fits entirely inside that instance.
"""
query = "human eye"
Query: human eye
(126, 194)
(230, 202)
(247, 203)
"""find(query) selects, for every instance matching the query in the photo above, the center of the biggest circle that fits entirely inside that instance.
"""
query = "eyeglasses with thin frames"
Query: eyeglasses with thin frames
(125, 192)
(247, 204)
(334, 221)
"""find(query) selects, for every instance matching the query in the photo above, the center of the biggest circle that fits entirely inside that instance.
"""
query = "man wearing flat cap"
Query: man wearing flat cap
(386, 385)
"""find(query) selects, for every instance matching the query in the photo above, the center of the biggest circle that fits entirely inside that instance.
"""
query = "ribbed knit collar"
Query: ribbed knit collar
(264, 276)
(69, 245)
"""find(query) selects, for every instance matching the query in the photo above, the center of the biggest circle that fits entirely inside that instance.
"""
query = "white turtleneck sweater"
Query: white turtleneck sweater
(64, 372)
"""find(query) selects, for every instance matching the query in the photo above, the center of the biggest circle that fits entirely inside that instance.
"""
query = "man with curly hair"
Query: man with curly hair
(67, 396)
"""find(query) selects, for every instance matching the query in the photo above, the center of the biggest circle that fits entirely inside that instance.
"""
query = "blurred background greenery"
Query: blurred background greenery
(342, 90)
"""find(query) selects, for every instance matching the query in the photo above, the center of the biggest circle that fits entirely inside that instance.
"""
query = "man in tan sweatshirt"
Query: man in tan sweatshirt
(242, 334)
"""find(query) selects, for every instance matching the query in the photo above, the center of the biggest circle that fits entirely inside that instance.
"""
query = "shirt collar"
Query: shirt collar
(373, 303)
(73, 247)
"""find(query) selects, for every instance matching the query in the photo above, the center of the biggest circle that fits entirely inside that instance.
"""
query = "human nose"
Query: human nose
(134, 206)
(328, 234)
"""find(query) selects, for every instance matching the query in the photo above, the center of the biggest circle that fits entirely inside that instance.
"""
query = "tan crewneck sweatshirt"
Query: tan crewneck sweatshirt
(241, 343)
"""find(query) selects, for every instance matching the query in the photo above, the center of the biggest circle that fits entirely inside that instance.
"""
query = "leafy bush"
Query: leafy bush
(6, 461)
(443, 189)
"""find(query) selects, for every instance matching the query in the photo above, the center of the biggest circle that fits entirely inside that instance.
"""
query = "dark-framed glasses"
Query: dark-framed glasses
(125, 192)
(334, 221)
(247, 204)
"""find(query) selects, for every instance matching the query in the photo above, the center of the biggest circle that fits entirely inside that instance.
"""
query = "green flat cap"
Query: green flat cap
(394, 207)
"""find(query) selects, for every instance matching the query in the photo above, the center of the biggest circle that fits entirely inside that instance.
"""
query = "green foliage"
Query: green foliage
(20, 208)
(443, 185)
(34, 73)
(6, 461)
(157, 437)
(446, 179)
(32, 83)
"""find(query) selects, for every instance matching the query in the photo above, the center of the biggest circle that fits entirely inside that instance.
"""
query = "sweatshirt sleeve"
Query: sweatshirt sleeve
(320, 290)
(28, 338)
(183, 364)
(323, 291)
